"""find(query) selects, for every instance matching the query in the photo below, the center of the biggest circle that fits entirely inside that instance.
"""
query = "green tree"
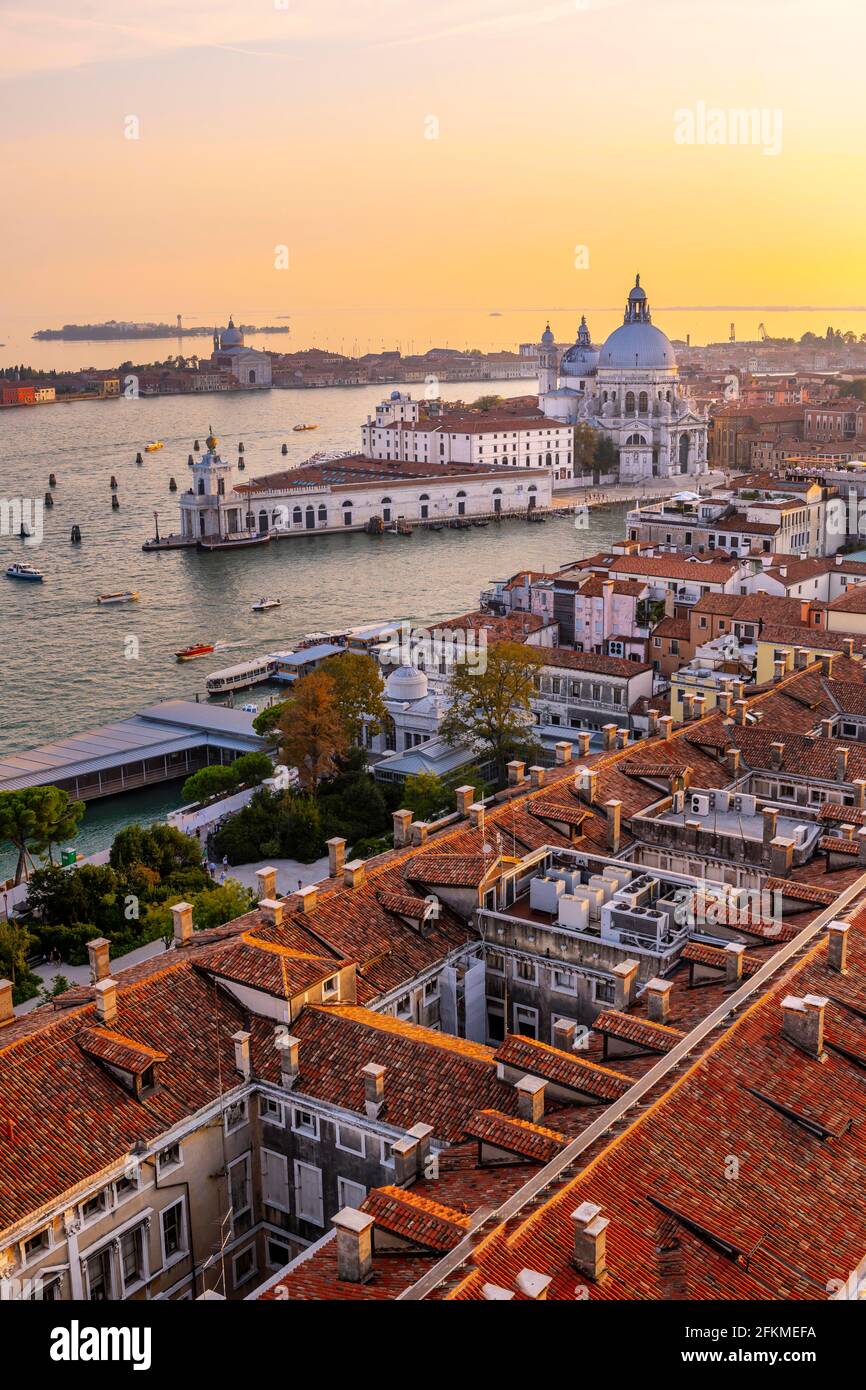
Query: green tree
(251, 769)
(214, 906)
(163, 848)
(490, 710)
(267, 722)
(35, 819)
(485, 403)
(208, 782)
(15, 941)
(584, 449)
(358, 689)
(426, 795)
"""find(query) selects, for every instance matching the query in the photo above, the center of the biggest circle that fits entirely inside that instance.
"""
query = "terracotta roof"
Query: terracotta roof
(405, 1213)
(562, 1068)
(852, 601)
(592, 662)
(804, 892)
(835, 844)
(816, 639)
(656, 1037)
(848, 815)
(559, 811)
(675, 567)
(521, 1137)
(404, 904)
(265, 965)
(717, 957)
(118, 1051)
(451, 870)
(678, 627)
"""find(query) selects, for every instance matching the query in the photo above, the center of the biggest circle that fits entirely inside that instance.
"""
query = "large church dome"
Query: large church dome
(637, 343)
(231, 337)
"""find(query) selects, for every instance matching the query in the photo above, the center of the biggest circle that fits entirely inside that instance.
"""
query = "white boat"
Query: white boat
(124, 596)
(18, 571)
(240, 677)
(249, 709)
(263, 604)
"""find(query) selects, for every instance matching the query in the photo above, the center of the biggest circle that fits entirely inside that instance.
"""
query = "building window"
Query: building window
(235, 1116)
(308, 1193)
(331, 989)
(279, 1252)
(36, 1245)
(350, 1140)
(275, 1180)
(94, 1207)
(99, 1276)
(604, 991)
(172, 1227)
(240, 1195)
(525, 1021)
(305, 1122)
(244, 1266)
(565, 981)
(525, 970)
(132, 1267)
(350, 1194)
(168, 1159)
(271, 1110)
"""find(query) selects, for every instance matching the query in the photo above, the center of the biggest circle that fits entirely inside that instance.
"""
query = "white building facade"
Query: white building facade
(629, 391)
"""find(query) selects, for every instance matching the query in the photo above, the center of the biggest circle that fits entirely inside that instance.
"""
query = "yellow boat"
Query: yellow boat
(152, 448)
(125, 596)
(298, 428)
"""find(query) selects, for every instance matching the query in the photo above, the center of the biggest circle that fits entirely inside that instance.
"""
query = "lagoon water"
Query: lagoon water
(65, 662)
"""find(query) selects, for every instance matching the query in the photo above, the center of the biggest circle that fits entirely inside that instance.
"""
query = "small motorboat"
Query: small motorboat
(152, 447)
(28, 572)
(249, 709)
(125, 596)
(198, 649)
(263, 604)
(299, 429)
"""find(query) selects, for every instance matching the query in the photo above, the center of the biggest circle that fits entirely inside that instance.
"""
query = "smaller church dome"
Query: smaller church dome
(581, 359)
(232, 337)
(547, 338)
(406, 683)
(395, 395)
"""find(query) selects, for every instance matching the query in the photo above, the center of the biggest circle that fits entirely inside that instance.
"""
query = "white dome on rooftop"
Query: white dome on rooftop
(406, 683)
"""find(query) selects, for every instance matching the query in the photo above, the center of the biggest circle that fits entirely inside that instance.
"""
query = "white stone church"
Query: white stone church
(628, 390)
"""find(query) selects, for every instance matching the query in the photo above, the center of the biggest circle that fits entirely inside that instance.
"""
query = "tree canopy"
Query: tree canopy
(313, 732)
(490, 710)
(358, 691)
(35, 819)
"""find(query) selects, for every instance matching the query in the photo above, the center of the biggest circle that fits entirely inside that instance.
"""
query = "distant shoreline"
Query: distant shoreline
(135, 333)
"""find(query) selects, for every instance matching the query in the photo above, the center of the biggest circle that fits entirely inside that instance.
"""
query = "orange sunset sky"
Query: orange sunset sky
(304, 126)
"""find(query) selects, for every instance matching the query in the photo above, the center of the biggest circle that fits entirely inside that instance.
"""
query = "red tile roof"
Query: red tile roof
(530, 1141)
(118, 1051)
(564, 1069)
(656, 1037)
(405, 1213)
(593, 662)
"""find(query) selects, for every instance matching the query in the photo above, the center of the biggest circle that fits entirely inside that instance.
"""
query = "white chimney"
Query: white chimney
(181, 917)
(837, 946)
(271, 910)
(624, 977)
(374, 1089)
(532, 1284)
(336, 856)
(354, 874)
(98, 952)
(306, 898)
(735, 953)
(354, 1245)
(106, 1000)
(267, 882)
(241, 1041)
(803, 1022)
(564, 1034)
(658, 999)
(405, 1153)
(590, 1240)
(289, 1049)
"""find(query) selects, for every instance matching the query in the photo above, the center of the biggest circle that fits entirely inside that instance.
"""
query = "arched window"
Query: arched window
(667, 395)
(386, 509)
(323, 512)
(424, 500)
(634, 439)
(497, 500)
(603, 396)
(310, 519)
(684, 453)
(347, 513)
(297, 516)
(263, 521)
(643, 403)
(461, 504)
(252, 378)
(532, 497)
(629, 402)
(548, 460)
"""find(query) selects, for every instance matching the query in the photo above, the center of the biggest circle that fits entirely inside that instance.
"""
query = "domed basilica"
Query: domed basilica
(629, 390)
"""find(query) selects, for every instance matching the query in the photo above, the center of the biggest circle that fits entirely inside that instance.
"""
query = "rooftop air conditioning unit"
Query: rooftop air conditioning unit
(700, 805)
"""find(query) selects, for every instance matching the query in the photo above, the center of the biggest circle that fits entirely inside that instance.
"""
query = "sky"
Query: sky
(408, 170)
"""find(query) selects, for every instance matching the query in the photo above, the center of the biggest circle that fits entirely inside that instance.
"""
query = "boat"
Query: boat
(25, 572)
(480, 523)
(197, 649)
(240, 677)
(263, 604)
(298, 429)
(233, 543)
(123, 596)
(152, 447)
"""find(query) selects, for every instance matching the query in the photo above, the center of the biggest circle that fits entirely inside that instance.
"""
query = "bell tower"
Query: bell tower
(547, 363)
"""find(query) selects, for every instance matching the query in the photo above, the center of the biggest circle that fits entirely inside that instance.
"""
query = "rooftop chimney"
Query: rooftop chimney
(306, 899)
(652, 722)
(803, 1022)
(476, 814)
(624, 977)
(827, 664)
(374, 1089)
(732, 761)
(267, 882)
(405, 1153)
(494, 1293)
(420, 830)
(355, 874)
(422, 1133)
(564, 1034)
(289, 1049)
(666, 724)
(725, 700)
(837, 946)
(402, 820)
(516, 771)
(801, 658)
(770, 817)
(583, 741)
(465, 797)
(781, 856)
(106, 1001)
(181, 917)
(354, 1245)
(859, 788)
(614, 824)
(737, 689)
(779, 669)
(532, 1284)
(241, 1041)
(848, 647)
(564, 750)
(536, 776)
(740, 708)
(272, 908)
(734, 953)
(336, 856)
(609, 735)
(98, 952)
(841, 764)
(530, 1098)
(7, 1012)
(590, 1240)
(828, 728)
(658, 1000)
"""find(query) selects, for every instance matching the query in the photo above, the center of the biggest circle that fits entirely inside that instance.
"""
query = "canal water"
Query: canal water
(68, 664)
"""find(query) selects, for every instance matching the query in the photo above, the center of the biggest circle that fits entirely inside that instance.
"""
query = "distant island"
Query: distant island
(120, 329)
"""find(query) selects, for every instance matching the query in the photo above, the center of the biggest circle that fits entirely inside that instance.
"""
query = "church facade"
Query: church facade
(249, 367)
(628, 390)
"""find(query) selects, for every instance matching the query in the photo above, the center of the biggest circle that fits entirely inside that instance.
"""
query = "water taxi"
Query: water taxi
(152, 447)
(299, 429)
(240, 677)
(25, 572)
(262, 605)
(124, 596)
(198, 649)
